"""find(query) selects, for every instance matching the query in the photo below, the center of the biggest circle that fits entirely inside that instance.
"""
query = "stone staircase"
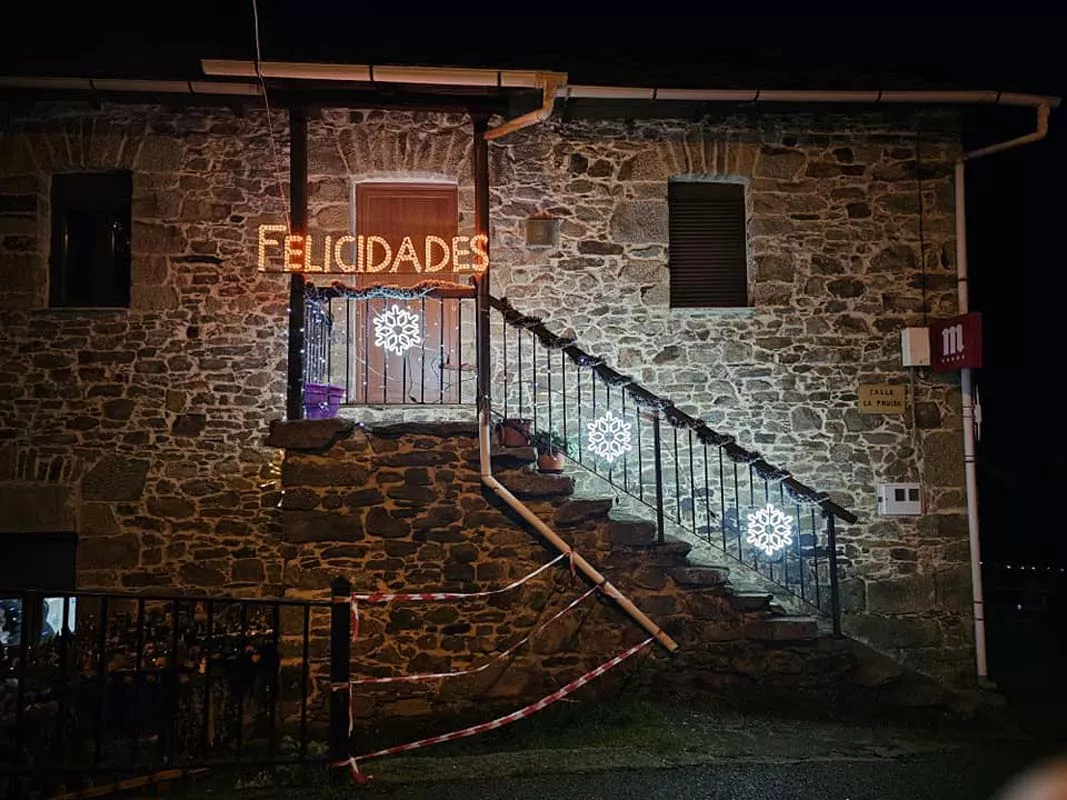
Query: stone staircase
(743, 579)
(740, 641)
(624, 547)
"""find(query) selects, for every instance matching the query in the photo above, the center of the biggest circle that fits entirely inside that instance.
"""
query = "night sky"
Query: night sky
(1014, 199)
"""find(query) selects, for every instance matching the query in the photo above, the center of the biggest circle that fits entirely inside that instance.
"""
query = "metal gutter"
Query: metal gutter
(370, 73)
(126, 85)
(508, 79)
(962, 97)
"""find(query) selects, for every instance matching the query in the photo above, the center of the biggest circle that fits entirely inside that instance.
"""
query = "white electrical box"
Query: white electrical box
(915, 347)
(899, 499)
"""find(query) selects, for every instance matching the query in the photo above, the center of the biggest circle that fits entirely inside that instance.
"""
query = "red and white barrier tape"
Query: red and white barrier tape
(490, 662)
(352, 762)
(379, 597)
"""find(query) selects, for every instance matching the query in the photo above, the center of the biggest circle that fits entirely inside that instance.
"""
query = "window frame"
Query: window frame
(734, 290)
(114, 201)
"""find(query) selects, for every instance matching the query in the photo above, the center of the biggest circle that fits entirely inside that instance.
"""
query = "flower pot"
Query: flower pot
(551, 463)
(514, 432)
(322, 401)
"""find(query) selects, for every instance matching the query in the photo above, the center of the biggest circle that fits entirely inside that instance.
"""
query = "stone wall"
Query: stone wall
(142, 429)
(401, 508)
(835, 270)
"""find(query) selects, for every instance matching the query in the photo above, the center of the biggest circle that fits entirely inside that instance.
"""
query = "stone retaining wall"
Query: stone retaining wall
(401, 508)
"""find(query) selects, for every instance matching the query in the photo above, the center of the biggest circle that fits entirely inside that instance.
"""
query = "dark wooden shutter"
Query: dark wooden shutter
(708, 265)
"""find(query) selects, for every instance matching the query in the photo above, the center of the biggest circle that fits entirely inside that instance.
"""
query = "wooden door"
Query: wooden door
(403, 215)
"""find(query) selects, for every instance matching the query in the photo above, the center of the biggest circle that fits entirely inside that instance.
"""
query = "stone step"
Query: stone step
(672, 553)
(631, 532)
(782, 629)
(673, 549)
(751, 601)
(699, 576)
(511, 457)
(575, 512)
(534, 484)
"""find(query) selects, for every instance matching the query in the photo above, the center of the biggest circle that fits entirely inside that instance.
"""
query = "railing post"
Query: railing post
(658, 461)
(480, 154)
(835, 598)
(340, 668)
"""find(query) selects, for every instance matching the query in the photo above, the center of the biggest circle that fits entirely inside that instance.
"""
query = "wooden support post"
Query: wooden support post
(298, 202)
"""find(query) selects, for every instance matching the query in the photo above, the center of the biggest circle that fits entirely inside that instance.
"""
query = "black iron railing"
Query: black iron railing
(96, 687)
(682, 470)
(318, 341)
(393, 346)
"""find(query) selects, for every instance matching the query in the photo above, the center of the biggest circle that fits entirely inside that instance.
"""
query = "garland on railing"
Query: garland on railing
(675, 416)
(419, 290)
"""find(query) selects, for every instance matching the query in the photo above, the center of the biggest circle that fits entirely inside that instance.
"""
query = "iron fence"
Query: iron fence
(97, 686)
(670, 462)
(393, 347)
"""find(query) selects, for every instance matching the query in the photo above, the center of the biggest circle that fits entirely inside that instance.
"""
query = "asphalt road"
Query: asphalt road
(972, 773)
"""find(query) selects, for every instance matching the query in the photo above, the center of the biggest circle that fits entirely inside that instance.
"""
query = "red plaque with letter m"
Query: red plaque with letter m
(956, 343)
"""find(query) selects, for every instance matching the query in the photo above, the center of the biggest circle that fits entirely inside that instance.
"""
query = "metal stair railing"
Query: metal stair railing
(683, 471)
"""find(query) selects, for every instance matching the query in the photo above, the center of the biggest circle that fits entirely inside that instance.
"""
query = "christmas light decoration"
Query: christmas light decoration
(373, 254)
(609, 436)
(396, 330)
(769, 529)
(265, 240)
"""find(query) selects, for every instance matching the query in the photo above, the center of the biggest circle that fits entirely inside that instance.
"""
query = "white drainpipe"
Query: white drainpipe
(967, 389)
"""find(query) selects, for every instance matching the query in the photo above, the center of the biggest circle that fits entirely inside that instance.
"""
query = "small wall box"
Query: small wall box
(899, 499)
(915, 347)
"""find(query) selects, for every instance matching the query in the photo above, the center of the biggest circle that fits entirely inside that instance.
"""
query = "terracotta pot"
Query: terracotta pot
(514, 432)
(551, 463)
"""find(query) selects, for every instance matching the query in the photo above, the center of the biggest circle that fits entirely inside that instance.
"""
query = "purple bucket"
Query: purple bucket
(321, 401)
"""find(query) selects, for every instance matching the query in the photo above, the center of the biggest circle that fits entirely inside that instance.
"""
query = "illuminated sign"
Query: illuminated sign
(354, 255)
(956, 343)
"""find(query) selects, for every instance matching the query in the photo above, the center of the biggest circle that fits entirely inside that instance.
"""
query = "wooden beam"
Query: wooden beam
(298, 224)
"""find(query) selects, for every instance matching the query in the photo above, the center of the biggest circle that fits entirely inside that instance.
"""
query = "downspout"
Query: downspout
(549, 83)
(967, 388)
(481, 221)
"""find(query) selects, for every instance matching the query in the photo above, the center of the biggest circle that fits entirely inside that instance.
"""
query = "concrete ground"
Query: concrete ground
(651, 750)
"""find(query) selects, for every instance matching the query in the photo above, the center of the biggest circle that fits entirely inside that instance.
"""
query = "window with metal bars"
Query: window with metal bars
(708, 260)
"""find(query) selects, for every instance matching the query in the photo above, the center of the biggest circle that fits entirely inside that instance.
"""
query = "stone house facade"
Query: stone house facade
(143, 430)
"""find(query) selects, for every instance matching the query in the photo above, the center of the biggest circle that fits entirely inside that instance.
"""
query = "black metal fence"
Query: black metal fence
(96, 687)
(683, 471)
(393, 348)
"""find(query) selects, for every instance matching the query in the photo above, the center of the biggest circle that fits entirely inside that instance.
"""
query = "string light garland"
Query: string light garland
(678, 419)
(441, 368)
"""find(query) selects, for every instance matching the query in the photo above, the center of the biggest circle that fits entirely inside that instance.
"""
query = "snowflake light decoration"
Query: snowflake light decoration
(769, 529)
(609, 436)
(396, 329)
